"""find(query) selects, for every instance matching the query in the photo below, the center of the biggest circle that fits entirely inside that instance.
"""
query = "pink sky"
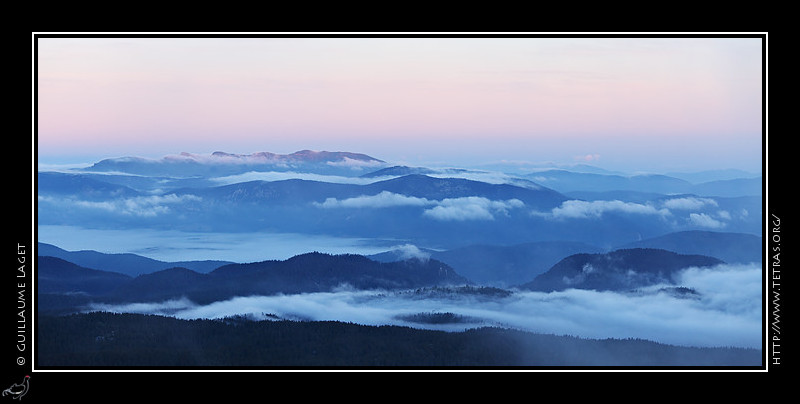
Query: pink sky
(541, 99)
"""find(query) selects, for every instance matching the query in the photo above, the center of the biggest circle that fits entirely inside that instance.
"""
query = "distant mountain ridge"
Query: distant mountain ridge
(299, 156)
(442, 208)
(128, 264)
(729, 247)
(398, 171)
(424, 186)
(414, 185)
(223, 163)
(568, 181)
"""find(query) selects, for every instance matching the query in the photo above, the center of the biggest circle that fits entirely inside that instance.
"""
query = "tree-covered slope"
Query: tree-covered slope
(130, 340)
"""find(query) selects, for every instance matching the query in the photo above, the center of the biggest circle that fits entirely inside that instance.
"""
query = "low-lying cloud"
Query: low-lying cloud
(689, 203)
(409, 251)
(727, 311)
(577, 209)
(459, 212)
(384, 199)
(490, 177)
(139, 206)
(471, 208)
(704, 220)
(449, 209)
(694, 211)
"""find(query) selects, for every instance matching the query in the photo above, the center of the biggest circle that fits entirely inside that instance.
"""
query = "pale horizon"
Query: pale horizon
(633, 104)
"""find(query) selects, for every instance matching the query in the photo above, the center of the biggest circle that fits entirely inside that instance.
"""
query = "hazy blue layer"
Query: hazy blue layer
(167, 245)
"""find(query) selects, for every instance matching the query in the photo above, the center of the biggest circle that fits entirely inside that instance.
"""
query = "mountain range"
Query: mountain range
(509, 265)
(462, 248)
(580, 178)
(498, 230)
(485, 264)
(64, 285)
(568, 181)
(412, 185)
(442, 213)
(223, 163)
(128, 264)
(442, 208)
(419, 207)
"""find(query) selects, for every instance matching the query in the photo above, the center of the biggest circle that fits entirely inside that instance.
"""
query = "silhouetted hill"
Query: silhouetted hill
(617, 270)
(128, 264)
(54, 275)
(500, 265)
(167, 284)
(316, 272)
(313, 272)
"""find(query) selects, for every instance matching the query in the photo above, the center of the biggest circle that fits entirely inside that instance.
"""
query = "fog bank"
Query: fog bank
(725, 311)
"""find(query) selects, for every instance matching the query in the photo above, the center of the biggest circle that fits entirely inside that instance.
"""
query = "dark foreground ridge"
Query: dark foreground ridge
(134, 340)
(65, 287)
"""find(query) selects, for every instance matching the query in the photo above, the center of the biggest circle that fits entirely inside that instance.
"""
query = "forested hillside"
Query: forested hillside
(131, 340)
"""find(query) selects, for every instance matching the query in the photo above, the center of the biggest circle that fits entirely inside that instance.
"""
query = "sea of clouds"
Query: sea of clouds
(726, 312)
(464, 208)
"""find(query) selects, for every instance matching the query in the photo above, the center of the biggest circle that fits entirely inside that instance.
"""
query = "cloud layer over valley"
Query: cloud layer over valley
(689, 210)
(725, 311)
(140, 206)
(464, 208)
